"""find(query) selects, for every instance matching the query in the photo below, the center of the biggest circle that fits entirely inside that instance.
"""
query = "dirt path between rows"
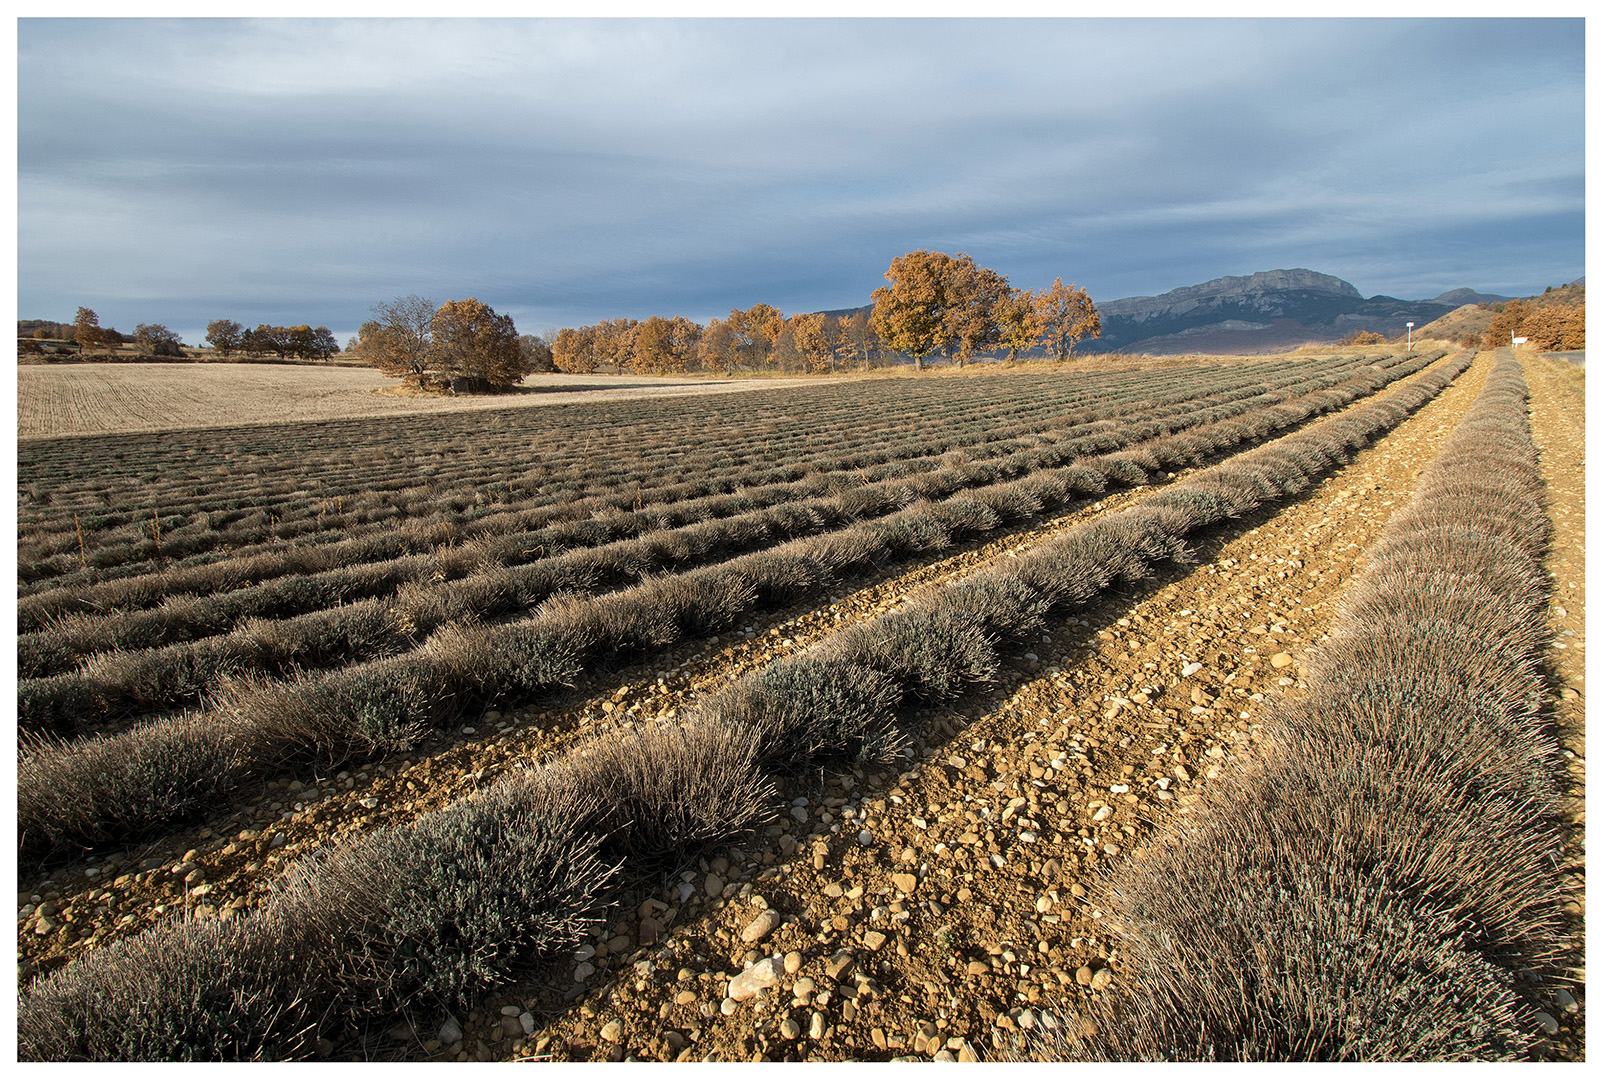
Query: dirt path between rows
(932, 912)
(1558, 424)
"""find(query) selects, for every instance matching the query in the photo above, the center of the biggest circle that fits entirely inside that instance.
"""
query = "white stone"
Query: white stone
(760, 976)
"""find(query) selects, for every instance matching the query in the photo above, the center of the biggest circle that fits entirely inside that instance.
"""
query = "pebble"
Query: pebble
(612, 1031)
(905, 883)
(760, 976)
(865, 838)
(874, 940)
(760, 927)
(790, 1029)
(838, 964)
(583, 972)
(728, 1006)
(450, 1032)
(1547, 1023)
(793, 962)
(1280, 660)
(526, 1021)
(1190, 670)
(714, 885)
(815, 1029)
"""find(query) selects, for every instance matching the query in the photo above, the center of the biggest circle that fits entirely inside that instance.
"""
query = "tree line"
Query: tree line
(935, 303)
(301, 342)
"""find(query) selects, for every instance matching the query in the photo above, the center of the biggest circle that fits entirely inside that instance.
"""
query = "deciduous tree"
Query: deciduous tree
(972, 297)
(755, 331)
(816, 337)
(859, 343)
(574, 350)
(1067, 315)
(147, 336)
(717, 347)
(1019, 323)
(537, 351)
(910, 313)
(473, 341)
(86, 332)
(400, 341)
(224, 335)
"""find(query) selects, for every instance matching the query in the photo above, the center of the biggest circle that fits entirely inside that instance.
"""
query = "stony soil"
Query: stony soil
(1558, 424)
(930, 910)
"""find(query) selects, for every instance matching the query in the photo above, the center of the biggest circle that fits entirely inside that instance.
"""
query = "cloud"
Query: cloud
(568, 170)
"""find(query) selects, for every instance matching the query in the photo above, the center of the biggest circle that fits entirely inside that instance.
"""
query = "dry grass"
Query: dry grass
(95, 399)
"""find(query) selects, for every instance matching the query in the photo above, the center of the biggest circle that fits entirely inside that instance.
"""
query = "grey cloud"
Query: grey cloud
(568, 171)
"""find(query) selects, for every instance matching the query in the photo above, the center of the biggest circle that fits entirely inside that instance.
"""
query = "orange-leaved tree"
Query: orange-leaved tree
(474, 342)
(910, 313)
(574, 349)
(972, 299)
(755, 331)
(1067, 315)
(1019, 322)
(935, 301)
(816, 336)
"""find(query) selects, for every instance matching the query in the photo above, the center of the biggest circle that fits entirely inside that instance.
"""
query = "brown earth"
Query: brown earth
(967, 909)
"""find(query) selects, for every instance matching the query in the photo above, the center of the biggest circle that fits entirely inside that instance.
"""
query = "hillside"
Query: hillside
(1474, 318)
(1261, 312)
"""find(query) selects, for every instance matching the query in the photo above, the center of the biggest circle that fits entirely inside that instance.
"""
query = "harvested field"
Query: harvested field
(97, 399)
(1072, 602)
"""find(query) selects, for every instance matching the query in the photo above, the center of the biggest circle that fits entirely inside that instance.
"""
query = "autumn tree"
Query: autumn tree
(816, 337)
(755, 331)
(1019, 323)
(717, 347)
(574, 349)
(154, 339)
(399, 341)
(1067, 315)
(972, 298)
(910, 313)
(472, 341)
(86, 331)
(666, 345)
(935, 301)
(859, 342)
(1505, 324)
(1555, 327)
(654, 352)
(324, 343)
(224, 335)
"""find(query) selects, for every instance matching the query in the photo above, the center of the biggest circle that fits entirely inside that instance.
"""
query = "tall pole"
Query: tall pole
(1410, 335)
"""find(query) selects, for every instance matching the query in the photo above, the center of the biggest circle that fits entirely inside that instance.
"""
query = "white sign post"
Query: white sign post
(1520, 341)
(1410, 335)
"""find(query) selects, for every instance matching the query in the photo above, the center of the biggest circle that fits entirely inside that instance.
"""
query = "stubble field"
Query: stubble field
(867, 719)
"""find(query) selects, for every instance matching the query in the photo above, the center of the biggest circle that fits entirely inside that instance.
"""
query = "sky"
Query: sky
(564, 171)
